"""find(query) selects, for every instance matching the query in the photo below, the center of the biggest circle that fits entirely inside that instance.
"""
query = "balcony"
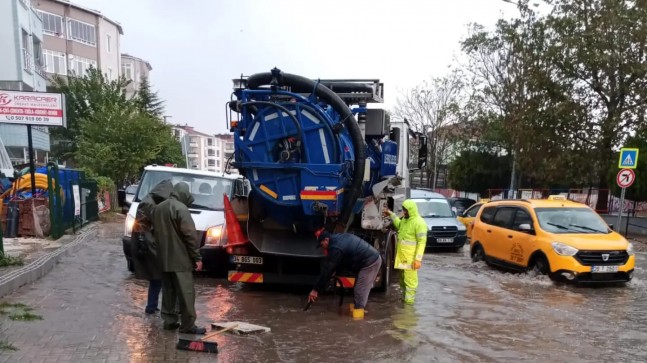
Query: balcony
(28, 61)
(41, 70)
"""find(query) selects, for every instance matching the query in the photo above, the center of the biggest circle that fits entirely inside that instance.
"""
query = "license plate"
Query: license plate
(247, 259)
(444, 240)
(603, 269)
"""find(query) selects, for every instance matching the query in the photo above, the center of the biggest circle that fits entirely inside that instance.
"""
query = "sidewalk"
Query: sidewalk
(39, 256)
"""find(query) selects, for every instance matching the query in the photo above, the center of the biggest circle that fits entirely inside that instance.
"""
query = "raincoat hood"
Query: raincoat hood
(162, 191)
(411, 207)
(181, 193)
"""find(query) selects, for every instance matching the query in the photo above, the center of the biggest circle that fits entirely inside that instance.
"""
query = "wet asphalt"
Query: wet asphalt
(92, 311)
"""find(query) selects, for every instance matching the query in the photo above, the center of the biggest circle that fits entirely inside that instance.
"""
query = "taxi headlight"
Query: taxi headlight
(630, 249)
(563, 249)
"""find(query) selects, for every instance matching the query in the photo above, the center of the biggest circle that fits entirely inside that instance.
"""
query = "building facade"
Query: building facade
(134, 69)
(22, 68)
(224, 152)
(76, 38)
(203, 151)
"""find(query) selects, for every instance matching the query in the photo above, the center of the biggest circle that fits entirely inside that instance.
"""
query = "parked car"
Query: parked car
(207, 210)
(563, 239)
(445, 232)
(131, 190)
(459, 205)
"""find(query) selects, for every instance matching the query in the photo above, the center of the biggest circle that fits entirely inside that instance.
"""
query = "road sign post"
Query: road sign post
(625, 179)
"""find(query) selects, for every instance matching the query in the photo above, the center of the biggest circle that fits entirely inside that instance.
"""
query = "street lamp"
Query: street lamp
(165, 117)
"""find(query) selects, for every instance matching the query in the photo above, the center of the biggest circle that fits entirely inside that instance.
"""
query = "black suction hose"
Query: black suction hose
(271, 78)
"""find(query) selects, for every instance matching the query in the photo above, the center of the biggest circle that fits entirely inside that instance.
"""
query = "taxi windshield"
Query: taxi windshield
(570, 220)
(431, 208)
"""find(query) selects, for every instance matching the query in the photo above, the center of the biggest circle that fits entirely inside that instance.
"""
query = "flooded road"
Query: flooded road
(92, 310)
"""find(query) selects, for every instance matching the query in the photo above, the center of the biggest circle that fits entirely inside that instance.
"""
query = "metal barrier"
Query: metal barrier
(62, 206)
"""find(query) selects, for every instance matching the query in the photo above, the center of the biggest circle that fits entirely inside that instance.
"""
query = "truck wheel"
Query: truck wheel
(387, 267)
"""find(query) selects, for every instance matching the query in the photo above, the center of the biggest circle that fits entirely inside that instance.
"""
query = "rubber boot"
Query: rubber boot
(358, 314)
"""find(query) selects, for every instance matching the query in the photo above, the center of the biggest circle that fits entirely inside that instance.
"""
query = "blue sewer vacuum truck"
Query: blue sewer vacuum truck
(316, 155)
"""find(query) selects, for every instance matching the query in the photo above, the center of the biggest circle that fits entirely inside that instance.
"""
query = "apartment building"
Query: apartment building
(76, 38)
(204, 151)
(134, 69)
(22, 69)
(224, 152)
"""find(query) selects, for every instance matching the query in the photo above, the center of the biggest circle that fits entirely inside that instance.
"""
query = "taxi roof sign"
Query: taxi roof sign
(556, 197)
(484, 200)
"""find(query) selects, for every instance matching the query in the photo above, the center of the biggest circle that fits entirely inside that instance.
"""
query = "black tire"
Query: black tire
(540, 265)
(477, 253)
(386, 271)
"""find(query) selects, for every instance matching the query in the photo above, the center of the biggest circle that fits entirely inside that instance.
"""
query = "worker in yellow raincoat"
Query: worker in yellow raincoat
(412, 239)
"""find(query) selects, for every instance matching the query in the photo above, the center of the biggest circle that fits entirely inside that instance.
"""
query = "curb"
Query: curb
(43, 265)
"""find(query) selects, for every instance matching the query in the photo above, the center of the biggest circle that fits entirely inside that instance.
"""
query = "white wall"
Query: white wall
(8, 42)
(112, 59)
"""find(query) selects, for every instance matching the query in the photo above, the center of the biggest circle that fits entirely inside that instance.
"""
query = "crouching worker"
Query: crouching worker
(345, 250)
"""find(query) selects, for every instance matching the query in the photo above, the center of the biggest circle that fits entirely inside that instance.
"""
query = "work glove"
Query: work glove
(416, 265)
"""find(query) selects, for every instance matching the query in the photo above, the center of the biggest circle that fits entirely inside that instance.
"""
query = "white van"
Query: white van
(207, 210)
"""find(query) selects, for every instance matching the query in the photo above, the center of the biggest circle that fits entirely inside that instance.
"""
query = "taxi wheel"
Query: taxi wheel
(540, 265)
(477, 253)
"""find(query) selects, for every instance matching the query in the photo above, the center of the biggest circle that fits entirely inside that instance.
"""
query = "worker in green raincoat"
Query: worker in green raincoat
(143, 245)
(412, 239)
(178, 254)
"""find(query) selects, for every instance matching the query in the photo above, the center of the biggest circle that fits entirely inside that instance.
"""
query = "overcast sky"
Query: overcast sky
(197, 46)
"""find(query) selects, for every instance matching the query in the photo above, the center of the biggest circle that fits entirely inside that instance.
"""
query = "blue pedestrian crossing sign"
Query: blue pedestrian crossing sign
(628, 158)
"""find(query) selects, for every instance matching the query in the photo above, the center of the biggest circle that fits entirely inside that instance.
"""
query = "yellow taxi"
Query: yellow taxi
(554, 236)
(467, 217)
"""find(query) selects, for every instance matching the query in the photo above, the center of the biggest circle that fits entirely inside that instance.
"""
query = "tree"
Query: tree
(170, 149)
(149, 101)
(84, 98)
(118, 141)
(477, 171)
(432, 108)
(598, 49)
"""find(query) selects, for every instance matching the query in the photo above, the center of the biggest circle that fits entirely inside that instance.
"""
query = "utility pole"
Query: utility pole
(165, 117)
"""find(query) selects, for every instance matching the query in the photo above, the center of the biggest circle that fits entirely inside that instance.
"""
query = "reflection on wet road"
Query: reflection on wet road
(93, 311)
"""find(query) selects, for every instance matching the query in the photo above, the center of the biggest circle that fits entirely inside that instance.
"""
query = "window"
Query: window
(52, 24)
(503, 217)
(108, 45)
(218, 163)
(80, 65)
(211, 153)
(209, 142)
(521, 217)
(473, 211)
(218, 153)
(127, 71)
(211, 162)
(488, 214)
(81, 32)
(55, 62)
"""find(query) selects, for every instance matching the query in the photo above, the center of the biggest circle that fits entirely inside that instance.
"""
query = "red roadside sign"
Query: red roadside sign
(625, 178)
